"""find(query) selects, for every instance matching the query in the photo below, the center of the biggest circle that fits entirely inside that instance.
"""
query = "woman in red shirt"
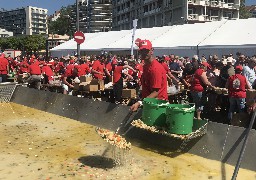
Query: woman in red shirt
(236, 86)
(199, 81)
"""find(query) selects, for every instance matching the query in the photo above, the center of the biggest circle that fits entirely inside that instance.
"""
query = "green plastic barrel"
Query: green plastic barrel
(154, 112)
(179, 118)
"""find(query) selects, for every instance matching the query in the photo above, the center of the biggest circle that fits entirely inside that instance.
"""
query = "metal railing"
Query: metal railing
(6, 91)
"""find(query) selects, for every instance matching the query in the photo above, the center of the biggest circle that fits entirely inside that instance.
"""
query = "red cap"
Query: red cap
(167, 58)
(239, 67)
(145, 44)
(206, 65)
(138, 41)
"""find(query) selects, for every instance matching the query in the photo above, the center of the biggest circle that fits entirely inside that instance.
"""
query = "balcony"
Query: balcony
(193, 17)
(198, 2)
(214, 3)
(196, 17)
(214, 18)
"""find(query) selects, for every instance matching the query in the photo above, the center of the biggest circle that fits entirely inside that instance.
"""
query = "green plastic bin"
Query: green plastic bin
(154, 112)
(179, 118)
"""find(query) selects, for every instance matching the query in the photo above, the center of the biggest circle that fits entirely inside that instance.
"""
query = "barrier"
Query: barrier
(222, 142)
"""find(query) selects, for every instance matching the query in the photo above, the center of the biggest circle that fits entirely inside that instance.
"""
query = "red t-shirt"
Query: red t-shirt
(98, 66)
(48, 71)
(166, 68)
(109, 67)
(197, 84)
(23, 67)
(84, 69)
(34, 69)
(236, 86)
(69, 69)
(117, 73)
(58, 66)
(3, 65)
(154, 77)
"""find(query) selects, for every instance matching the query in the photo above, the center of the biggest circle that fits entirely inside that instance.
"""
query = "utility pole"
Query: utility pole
(77, 29)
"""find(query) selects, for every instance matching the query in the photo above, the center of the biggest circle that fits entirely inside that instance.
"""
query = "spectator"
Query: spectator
(118, 81)
(249, 73)
(197, 87)
(226, 72)
(35, 75)
(98, 68)
(4, 68)
(47, 73)
(68, 79)
(175, 67)
(236, 85)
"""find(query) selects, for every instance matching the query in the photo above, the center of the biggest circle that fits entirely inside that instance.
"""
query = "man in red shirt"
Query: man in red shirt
(23, 66)
(4, 68)
(236, 85)
(118, 81)
(154, 79)
(47, 73)
(98, 68)
(70, 67)
(34, 79)
(84, 68)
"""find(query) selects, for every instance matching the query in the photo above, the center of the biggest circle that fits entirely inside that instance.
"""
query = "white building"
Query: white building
(4, 33)
(157, 13)
(26, 20)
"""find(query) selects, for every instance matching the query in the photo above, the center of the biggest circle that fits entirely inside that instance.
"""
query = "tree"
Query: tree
(244, 13)
(62, 25)
(29, 44)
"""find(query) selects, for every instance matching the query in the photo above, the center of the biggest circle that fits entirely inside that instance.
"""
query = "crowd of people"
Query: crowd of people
(150, 75)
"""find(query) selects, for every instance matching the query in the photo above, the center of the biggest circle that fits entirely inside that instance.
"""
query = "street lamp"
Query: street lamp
(77, 28)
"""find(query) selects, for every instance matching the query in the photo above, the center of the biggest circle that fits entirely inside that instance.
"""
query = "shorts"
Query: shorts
(197, 99)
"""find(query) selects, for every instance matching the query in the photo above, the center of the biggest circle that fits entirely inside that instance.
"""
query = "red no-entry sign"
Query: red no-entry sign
(79, 37)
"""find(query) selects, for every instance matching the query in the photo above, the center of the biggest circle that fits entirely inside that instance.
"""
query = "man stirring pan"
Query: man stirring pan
(154, 79)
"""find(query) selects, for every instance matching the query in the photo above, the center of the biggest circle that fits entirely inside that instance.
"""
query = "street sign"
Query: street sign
(79, 37)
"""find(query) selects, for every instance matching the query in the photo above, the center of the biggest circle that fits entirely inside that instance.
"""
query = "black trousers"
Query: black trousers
(3, 77)
(118, 88)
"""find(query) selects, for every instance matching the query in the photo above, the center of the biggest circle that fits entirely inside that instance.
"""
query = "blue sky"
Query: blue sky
(52, 5)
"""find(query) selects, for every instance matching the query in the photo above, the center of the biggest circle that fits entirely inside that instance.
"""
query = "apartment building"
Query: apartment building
(26, 20)
(152, 13)
(95, 16)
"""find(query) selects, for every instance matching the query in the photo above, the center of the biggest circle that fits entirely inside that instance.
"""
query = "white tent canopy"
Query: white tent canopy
(220, 37)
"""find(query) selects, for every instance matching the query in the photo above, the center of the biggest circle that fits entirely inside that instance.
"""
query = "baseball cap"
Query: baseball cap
(239, 68)
(167, 58)
(145, 44)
